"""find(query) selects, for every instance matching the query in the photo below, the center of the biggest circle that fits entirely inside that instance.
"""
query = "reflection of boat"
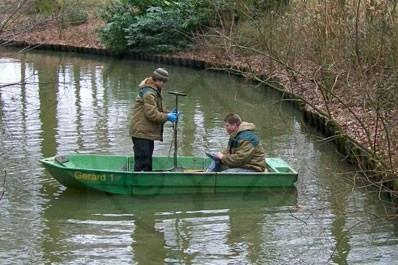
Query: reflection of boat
(73, 203)
(113, 174)
(151, 229)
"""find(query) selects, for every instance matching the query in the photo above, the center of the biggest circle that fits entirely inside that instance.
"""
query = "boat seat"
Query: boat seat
(278, 165)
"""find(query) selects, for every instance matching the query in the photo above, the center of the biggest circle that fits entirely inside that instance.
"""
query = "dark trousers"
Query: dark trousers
(143, 150)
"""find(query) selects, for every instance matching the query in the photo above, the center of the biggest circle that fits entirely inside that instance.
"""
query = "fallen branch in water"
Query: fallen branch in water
(28, 83)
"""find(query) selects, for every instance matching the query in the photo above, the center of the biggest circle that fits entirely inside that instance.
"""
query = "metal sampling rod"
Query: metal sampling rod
(177, 94)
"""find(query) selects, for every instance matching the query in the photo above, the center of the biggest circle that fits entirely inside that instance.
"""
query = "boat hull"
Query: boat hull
(112, 174)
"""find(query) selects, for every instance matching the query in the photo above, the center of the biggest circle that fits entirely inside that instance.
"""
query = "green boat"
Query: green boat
(114, 174)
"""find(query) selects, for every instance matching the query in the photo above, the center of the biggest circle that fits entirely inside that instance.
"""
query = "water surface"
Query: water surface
(81, 103)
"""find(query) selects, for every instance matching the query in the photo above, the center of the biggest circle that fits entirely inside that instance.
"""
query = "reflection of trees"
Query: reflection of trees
(48, 87)
(213, 95)
(100, 106)
(122, 77)
(342, 237)
(201, 105)
(24, 100)
(148, 240)
(77, 89)
(210, 97)
(337, 196)
(323, 180)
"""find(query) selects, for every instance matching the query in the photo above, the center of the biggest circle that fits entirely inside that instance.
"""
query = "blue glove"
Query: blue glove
(172, 116)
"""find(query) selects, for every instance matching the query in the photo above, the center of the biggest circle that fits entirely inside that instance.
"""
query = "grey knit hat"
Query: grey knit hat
(161, 74)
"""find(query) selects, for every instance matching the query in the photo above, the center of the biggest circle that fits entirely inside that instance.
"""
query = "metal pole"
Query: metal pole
(175, 135)
(175, 128)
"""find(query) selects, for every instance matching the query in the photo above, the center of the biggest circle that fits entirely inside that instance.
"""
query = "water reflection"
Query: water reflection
(86, 108)
(81, 103)
(185, 229)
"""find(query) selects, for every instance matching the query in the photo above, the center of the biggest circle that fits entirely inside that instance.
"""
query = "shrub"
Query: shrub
(118, 17)
(151, 26)
(157, 31)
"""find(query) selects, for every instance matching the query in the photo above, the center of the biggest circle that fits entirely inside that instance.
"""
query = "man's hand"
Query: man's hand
(173, 116)
(219, 155)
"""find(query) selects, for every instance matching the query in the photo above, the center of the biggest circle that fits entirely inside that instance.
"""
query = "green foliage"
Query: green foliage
(141, 5)
(152, 25)
(158, 31)
(118, 17)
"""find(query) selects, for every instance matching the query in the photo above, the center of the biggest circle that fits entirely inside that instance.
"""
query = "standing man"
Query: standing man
(244, 152)
(148, 117)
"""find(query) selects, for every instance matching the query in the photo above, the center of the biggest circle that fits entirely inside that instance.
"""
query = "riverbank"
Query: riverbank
(356, 120)
(84, 35)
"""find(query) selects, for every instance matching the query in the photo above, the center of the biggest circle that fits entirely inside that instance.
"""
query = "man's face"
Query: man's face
(231, 128)
(160, 83)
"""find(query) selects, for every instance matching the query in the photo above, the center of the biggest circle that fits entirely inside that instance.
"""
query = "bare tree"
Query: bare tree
(20, 16)
(337, 56)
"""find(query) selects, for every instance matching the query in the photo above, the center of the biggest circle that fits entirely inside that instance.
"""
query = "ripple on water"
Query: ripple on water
(42, 222)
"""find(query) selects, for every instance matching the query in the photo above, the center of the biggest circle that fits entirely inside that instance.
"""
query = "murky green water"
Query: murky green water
(81, 103)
